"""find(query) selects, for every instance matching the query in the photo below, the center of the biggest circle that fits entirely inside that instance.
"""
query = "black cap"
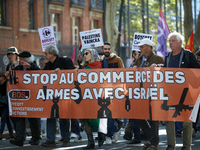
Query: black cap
(25, 54)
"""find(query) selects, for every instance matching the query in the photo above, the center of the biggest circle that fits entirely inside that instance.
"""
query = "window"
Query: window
(54, 24)
(75, 30)
(94, 24)
(3, 12)
(31, 14)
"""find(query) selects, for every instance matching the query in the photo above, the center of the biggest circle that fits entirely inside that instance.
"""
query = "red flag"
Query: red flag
(73, 55)
(190, 43)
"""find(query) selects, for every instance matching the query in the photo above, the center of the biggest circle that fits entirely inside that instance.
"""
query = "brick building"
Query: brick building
(20, 20)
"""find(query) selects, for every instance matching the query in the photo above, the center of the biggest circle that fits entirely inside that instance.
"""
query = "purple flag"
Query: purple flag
(163, 32)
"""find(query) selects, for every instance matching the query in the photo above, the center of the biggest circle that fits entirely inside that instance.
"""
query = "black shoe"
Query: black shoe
(89, 146)
(134, 143)
(101, 139)
(49, 144)
(16, 142)
(128, 136)
(170, 148)
(65, 144)
(34, 142)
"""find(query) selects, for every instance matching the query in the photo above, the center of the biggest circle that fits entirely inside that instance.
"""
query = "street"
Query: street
(5, 145)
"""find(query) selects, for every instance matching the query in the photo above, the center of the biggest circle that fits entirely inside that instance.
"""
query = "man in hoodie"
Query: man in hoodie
(111, 60)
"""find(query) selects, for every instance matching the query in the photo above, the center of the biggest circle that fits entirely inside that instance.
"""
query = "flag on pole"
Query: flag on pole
(73, 55)
(190, 43)
(163, 32)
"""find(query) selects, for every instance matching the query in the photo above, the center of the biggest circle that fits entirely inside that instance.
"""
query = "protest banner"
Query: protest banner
(46, 37)
(138, 37)
(157, 94)
(91, 38)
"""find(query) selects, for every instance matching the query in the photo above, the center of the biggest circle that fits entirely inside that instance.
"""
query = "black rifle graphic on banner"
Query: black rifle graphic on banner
(55, 108)
(76, 83)
(104, 111)
(180, 105)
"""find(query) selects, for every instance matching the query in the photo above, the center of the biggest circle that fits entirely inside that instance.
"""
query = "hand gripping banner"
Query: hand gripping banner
(157, 94)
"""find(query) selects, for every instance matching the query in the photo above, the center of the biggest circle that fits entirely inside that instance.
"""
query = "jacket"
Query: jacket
(187, 60)
(114, 61)
(60, 62)
(152, 58)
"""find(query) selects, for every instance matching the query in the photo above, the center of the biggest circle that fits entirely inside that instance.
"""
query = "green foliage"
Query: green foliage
(138, 16)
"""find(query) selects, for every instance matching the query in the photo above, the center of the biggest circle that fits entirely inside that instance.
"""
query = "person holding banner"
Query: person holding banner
(179, 58)
(111, 60)
(91, 61)
(149, 127)
(4, 111)
(57, 63)
(26, 63)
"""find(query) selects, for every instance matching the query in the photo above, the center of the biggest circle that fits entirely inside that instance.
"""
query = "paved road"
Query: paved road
(5, 145)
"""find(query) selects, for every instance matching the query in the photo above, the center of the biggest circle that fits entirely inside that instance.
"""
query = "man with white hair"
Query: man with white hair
(57, 63)
(179, 58)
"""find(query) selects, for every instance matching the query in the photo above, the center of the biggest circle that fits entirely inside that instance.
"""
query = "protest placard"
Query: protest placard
(138, 37)
(46, 37)
(91, 38)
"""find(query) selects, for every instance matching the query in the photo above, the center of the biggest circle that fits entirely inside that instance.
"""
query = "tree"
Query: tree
(188, 24)
(111, 29)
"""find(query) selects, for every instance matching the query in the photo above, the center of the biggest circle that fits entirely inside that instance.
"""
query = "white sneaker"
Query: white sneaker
(73, 135)
(116, 136)
(78, 139)
(108, 141)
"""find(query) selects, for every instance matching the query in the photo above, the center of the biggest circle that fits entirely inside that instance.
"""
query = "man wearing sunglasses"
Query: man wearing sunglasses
(111, 60)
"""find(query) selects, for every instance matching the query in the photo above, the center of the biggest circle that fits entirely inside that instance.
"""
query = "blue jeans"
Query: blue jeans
(77, 129)
(111, 127)
(5, 119)
(136, 129)
(178, 127)
(64, 129)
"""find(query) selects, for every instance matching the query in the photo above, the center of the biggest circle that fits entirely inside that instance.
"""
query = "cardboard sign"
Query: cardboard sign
(138, 37)
(91, 38)
(161, 94)
(46, 37)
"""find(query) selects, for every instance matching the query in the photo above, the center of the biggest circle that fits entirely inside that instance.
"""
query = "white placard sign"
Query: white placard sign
(91, 38)
(46, 37)
(138, 37)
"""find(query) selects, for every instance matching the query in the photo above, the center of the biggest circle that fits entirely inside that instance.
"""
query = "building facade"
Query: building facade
(20, 20)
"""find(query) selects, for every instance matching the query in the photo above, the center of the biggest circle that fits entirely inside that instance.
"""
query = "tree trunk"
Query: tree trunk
(188, 19)
(197, 35)
(111, 29)
(188, 24)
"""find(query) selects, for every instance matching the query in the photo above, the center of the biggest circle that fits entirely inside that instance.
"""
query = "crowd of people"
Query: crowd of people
(108, 129)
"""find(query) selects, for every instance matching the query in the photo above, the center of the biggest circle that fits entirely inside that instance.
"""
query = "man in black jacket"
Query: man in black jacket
(26, 63)
(57, 63)
(179, 58)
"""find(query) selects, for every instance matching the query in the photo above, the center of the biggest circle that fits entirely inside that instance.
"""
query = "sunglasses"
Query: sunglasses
(86, 53)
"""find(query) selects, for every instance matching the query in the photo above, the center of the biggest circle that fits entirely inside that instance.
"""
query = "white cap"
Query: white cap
(145, 41)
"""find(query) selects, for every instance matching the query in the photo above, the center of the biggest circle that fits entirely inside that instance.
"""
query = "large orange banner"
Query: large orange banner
(145, 93)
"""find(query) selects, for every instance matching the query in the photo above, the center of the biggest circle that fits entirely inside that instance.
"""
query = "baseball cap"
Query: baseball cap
(13, 50)
(145, 41)
(25, 54)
